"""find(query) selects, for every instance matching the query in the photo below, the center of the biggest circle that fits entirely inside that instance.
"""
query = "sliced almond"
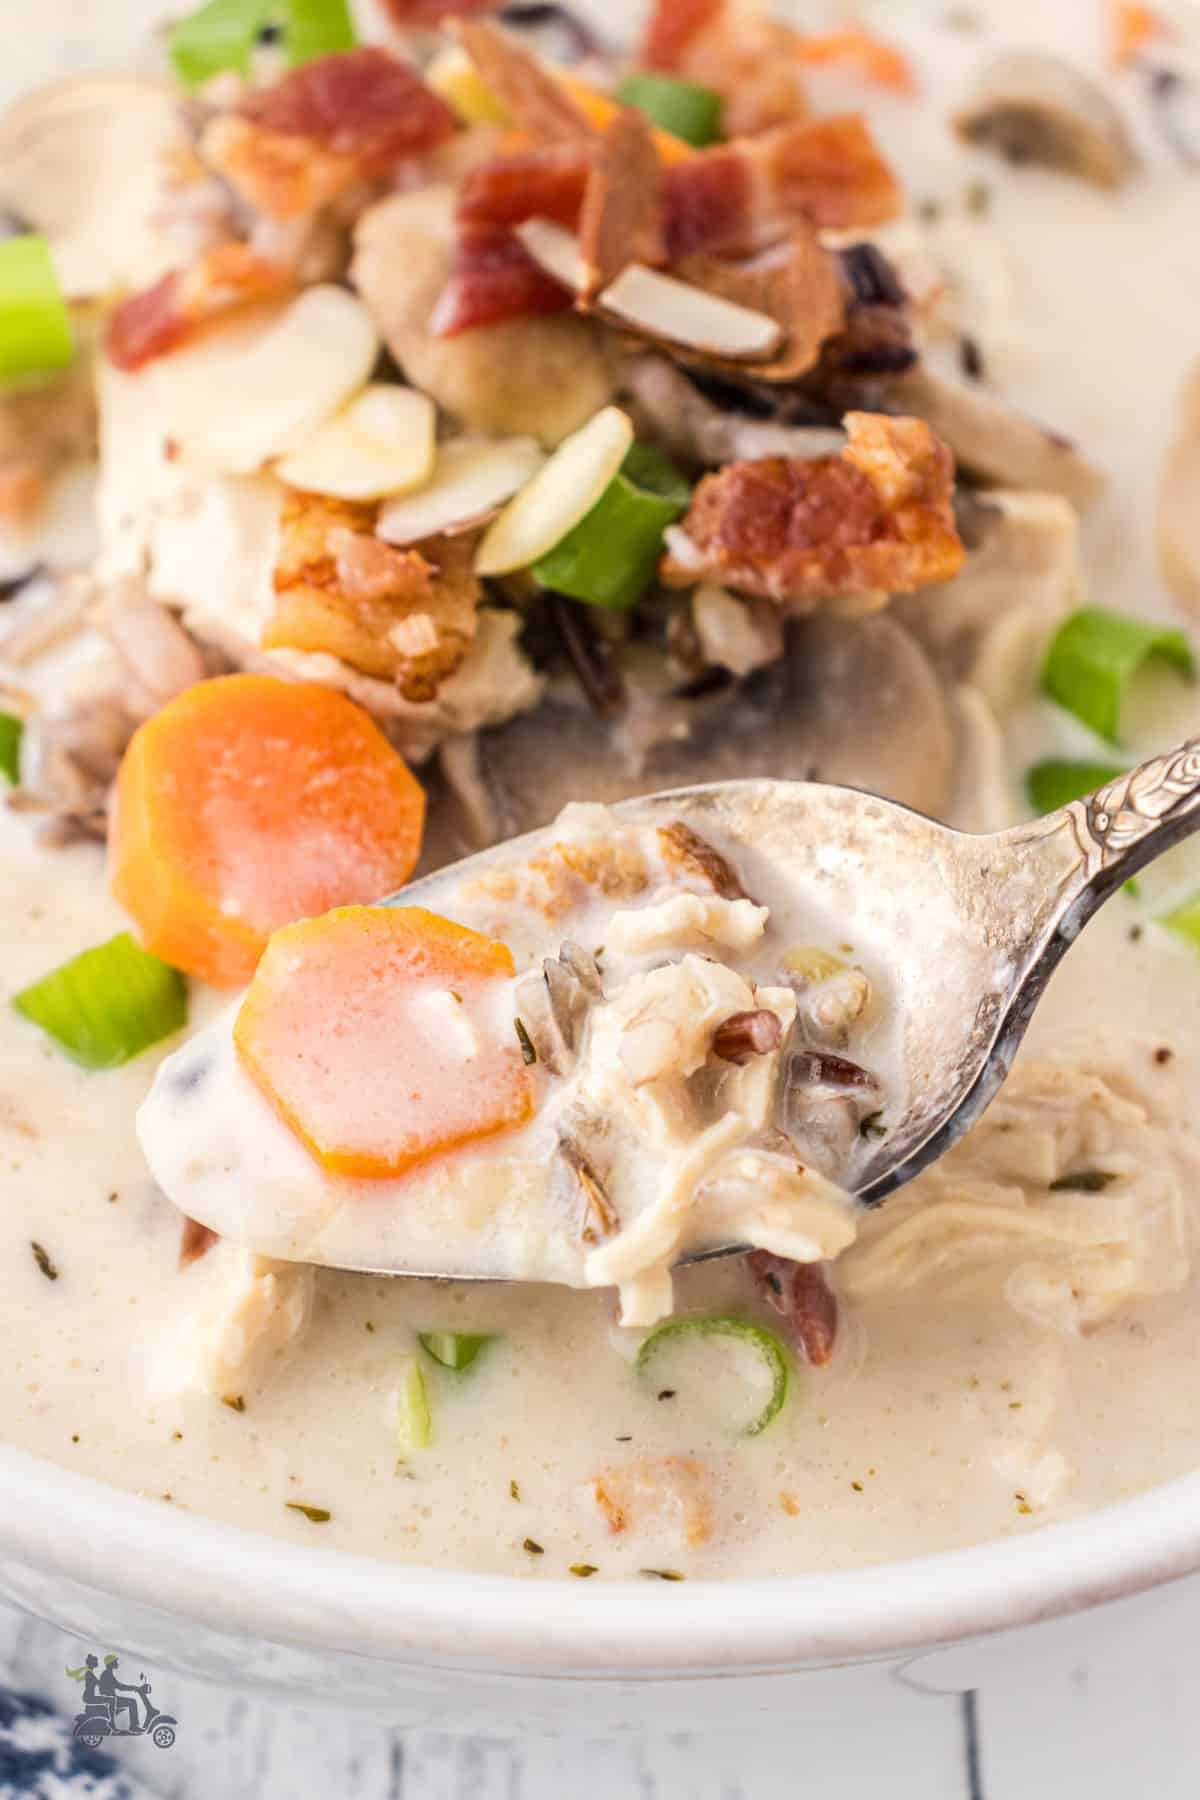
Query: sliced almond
(382, 442)
(555, 250)
(560, 494)
(469, 480)
(453, 75)
(664, 308)
(259, 395)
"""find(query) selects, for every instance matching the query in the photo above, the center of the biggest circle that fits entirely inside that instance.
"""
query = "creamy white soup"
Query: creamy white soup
(354, 462)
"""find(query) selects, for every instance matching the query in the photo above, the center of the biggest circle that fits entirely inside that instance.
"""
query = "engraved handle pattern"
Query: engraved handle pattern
(1122, 819)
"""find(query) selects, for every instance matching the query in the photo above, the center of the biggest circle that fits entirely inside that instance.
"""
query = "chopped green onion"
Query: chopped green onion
(222, 34)
(680, 107)
(414, 1423)
(315, 28)
(609, 557)
(107, 1004)
(1096, 655)
(35, 327)
(1053, 784)
(11, 730)
(1184, 920)
(454, 1349)
(763, 1342)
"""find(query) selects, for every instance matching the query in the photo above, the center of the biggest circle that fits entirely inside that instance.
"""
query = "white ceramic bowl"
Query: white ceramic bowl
(492, 1653)
(502, 1654)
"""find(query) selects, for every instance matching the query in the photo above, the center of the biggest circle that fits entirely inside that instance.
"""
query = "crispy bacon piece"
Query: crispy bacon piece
(176, 309)
(492, 277)
(539, 105)
(621, 220)
(740, 197)
(876, 518)
(804, 1300)
(407, 615)
(547, 184)
(291, 148)
(737, 50)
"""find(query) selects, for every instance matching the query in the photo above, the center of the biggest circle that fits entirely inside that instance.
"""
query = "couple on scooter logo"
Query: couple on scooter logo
(106, 1696)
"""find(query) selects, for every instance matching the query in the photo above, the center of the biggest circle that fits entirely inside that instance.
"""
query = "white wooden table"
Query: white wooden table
(1123, 1717)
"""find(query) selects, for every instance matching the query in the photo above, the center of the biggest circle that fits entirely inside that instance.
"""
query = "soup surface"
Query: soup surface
(1011, 1340)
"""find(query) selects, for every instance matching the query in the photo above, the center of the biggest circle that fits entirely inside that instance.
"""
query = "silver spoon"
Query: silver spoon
(970, 927)
(979, 923)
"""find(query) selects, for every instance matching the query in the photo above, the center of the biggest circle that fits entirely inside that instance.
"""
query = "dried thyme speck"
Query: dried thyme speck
(1135, 933)
(873, 1126)
(528, 1053)
(74, 1437)
(929, 212)
(1163, 1055)
(970, 357)
(514, 1489)
(113, 1198)
(583, 1570)
(369, 1325)
(1082, 1181)
(235, 1402)
(177, 1437)
(978, 199)
(455, 995)
(1022, 1501)
(42, 1258)
(661, 1574)
(857, 1486)
(666, 1393)
(625, 1438)
(316, 1515)
(533, 1547)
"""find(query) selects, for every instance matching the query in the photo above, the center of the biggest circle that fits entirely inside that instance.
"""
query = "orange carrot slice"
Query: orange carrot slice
(383, 1037)
(877, 61)
(248, 802)
(1131, 28)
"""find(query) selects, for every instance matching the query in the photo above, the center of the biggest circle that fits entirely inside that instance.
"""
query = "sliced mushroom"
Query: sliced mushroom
(537, 377)
(991, 441)
(1178, 502)
(851, 701)
(1036, 108)
(1025, 555)
(673, 411)
(89, 162)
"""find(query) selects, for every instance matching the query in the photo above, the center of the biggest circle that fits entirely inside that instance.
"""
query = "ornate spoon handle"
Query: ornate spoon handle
(1137, 816)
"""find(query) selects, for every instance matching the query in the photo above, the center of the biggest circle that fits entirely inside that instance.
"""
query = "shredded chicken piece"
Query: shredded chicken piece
(235, 1318)
(159, 656)
(220, 284)
(876, 519)
(408, 615)
(665, 1489)
(1076, 1184)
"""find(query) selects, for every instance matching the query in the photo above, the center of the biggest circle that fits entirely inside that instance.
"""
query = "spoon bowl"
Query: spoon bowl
(960, 933)
(976, 924)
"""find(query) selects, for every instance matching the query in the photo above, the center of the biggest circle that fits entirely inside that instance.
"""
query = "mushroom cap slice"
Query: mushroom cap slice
(992, 441)
(1177, 507)
(88, 162)
(851, 701)
(537, 377)
(1036, 108)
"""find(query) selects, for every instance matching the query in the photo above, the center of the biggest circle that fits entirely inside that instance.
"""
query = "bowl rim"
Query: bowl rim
(252, 1585)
